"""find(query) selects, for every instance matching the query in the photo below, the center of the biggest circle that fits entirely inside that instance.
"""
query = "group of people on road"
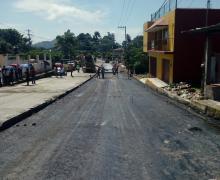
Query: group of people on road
(60, 70)
(115, 69)
(30, 74)
(10, 75)
(101, 71)
(72, 68)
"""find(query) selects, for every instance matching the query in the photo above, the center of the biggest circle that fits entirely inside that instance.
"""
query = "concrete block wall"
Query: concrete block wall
(37, 63)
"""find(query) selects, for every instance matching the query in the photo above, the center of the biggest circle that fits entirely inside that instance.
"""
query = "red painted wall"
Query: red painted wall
(190, 48)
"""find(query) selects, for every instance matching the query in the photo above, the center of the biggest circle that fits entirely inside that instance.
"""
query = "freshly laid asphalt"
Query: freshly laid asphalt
(111, 129)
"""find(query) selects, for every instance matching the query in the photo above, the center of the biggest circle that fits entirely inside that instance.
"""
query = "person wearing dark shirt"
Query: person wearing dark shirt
(27, 73)
(33, 73)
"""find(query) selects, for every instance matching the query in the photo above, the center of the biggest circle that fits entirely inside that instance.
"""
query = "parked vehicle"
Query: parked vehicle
(88, 64)
(9, 75)
(24, 67)
(59, 69)
(108, 67)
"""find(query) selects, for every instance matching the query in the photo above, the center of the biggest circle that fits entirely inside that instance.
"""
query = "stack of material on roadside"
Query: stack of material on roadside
(185, 91)
(140, 76)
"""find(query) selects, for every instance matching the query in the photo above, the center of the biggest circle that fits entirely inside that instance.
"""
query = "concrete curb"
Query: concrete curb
(199, 107)
(12, 121)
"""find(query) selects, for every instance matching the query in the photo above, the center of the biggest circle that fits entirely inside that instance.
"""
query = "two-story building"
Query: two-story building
(175, 56)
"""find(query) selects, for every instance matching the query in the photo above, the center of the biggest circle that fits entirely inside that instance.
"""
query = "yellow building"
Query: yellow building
(159, 44)
(175, 56)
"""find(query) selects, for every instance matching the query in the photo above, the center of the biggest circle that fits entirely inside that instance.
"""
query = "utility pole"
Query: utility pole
(29, 36)
(207, 51)
(207, 12)
(125, 28)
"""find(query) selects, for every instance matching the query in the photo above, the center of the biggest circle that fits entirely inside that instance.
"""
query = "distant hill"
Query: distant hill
(45, 44)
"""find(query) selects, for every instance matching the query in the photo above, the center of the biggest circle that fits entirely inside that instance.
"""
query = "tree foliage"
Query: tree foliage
(135, 57)
(11, 41)
(71, 45)
(66, 43)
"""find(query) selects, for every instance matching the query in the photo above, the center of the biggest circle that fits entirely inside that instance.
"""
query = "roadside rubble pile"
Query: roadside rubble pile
(141, 76)
(185, 91)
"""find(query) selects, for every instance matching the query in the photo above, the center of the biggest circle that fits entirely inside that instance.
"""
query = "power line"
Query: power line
(131, 11)
(126, 14)
(123, 6)
(126, 8)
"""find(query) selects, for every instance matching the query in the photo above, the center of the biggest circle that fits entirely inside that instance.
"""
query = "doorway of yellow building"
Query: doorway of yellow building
(166, 70)
(153, 66)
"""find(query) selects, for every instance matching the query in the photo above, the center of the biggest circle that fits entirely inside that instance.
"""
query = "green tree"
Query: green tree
(85, 42)
(135, 57)
(66, 43)
(96, 36)
(11, 41)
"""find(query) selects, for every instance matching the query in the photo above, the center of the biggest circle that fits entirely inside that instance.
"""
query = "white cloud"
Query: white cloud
(60, 10)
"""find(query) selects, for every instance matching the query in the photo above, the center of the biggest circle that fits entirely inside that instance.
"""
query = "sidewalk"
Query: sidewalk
(18, 100)
(208, 107)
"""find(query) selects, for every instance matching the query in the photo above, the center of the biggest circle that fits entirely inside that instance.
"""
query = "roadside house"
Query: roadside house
(211, 79)
(175, 56)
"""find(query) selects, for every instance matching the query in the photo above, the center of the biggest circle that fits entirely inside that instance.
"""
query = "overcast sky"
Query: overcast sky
(48, 18)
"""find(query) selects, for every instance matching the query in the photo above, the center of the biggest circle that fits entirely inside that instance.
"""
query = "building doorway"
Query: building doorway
(166, 70)
(153, 66)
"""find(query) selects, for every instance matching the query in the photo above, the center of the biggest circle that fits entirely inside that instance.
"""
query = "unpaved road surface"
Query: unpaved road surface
(112, 129)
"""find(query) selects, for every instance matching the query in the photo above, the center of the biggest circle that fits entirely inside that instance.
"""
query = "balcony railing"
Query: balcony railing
(170, 5)
(166, 7)
(160, 45)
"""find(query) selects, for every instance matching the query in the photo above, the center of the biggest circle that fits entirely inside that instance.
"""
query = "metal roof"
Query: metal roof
(208, 29)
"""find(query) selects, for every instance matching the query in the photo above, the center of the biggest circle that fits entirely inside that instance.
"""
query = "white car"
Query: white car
(108, 67)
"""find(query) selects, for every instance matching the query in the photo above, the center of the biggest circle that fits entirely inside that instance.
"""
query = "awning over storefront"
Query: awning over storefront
(158, 25)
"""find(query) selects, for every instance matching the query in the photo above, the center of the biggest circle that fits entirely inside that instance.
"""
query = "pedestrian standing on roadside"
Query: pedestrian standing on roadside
(116, 70)
(103, 72)
(19, 73)
(78, 67)
(0, 76)
(98, 72)
(33, 74)
(129, 71)
(4, 76)
(16, 73)
(27, 73)
(62, 72)
(11, 76)
(71, 70)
